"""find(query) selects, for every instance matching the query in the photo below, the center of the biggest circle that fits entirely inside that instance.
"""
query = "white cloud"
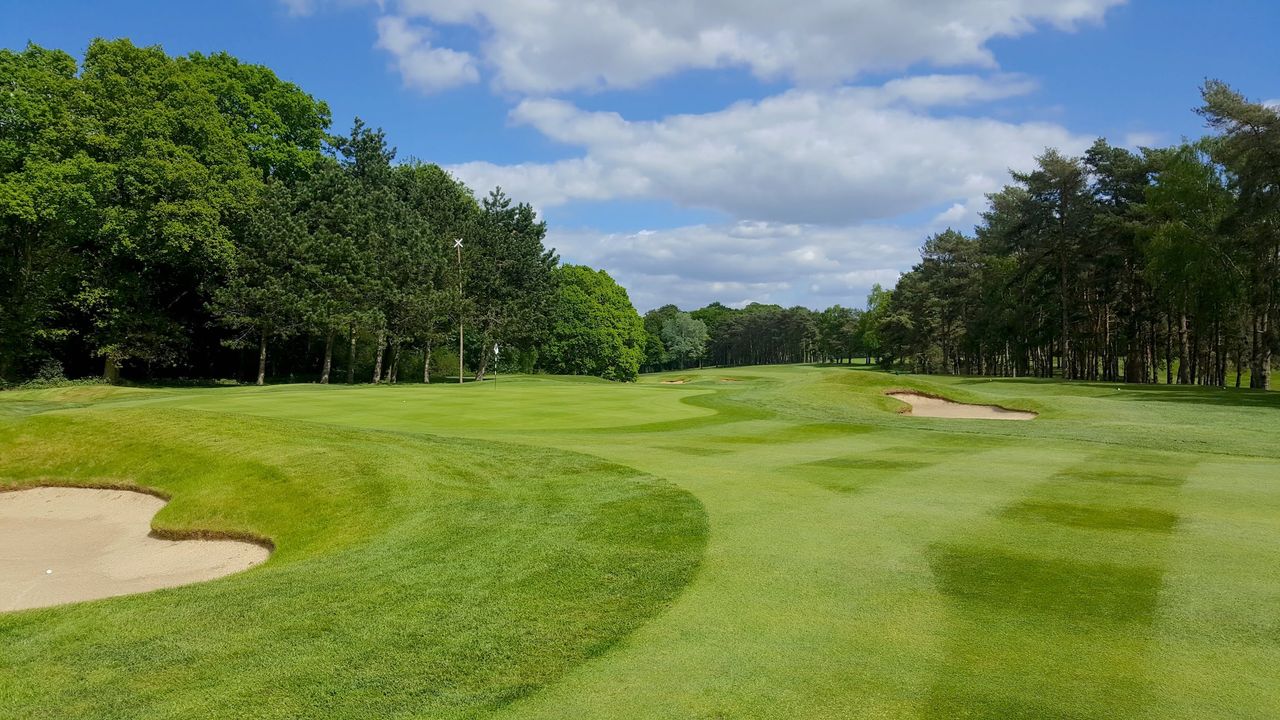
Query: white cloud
(807, 177)
(746, 262)
(940, 90)
(1272, 103)
(961, 215)
(832, 157)
(1138, 140)
(427, 68)
(299, 8)
(554, 45)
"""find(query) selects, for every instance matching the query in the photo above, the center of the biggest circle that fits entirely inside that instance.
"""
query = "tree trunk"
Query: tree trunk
(1220, 350)
(328, 357)
(483, 365)
(1262, 369)
(351, 357)
(377, 360)
(426, 364)
(1265, 369)
(393, 370)
(1184, 352)
(111, 370)
(1066, 321)
(262, 358)
(1108, 374)
(1153, 357)
(1239, 367)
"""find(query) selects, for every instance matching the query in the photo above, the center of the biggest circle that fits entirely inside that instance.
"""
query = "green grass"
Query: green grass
(782, 546)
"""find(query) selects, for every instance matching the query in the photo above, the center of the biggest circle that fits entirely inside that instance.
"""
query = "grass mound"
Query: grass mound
(411, 572)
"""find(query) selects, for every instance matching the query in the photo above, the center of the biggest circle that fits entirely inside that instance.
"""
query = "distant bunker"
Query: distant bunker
(62, 545)
(935, 407)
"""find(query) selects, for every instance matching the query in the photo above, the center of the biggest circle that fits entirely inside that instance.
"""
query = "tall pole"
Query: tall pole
(457, 244)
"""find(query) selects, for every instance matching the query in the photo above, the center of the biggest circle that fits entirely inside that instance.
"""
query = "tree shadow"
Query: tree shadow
(1191, 394)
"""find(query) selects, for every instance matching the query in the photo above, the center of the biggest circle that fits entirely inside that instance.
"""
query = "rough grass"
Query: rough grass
(783, 546)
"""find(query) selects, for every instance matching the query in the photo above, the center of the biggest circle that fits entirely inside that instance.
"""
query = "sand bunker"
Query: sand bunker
(61, 545)
(925, 406)
(673, 382)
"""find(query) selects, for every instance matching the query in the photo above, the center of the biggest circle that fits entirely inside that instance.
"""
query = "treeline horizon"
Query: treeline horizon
(1161, 265)
(194, 217)
(761, 334)
(1156, 266)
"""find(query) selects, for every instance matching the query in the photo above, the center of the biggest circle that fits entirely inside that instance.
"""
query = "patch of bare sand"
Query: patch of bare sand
(673, 382)
(925, 406)
(62, 545)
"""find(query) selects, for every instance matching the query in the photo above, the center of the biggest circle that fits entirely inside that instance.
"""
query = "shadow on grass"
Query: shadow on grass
(1092, 517)
(1191, 394)
(1078, 630)
(1227, 397)
(1075, 592)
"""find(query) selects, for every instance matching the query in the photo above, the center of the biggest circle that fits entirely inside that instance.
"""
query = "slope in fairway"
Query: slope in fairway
(783, 545)
(413, 576)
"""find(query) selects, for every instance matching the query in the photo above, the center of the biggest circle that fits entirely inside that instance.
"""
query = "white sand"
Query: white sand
(925, 406)
(61, 545)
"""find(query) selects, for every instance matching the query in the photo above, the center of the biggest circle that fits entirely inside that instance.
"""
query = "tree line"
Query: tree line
(168, 217)
(1155, 266)
(761, 334)
(1159, 265)
(194, 217)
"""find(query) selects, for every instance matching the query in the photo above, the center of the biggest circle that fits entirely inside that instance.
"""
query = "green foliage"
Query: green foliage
(444, 362)
(873, 318)
(507, 276)
(1248, 148)
(156, 209)
(1111, 266)
(755, 334)
(760, 334)
(655, 350)
(125, 189)
(837, 330)
(47, 187)
(265, 294)
(684, 337)
(594, 328)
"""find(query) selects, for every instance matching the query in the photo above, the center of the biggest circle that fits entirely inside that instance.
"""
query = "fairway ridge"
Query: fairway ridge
(61, 545)
(929, 406)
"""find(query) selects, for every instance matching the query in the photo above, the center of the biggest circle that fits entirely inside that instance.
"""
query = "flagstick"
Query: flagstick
(457, 244)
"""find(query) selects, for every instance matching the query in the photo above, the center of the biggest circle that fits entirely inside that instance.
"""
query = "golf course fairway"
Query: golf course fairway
(769, 542)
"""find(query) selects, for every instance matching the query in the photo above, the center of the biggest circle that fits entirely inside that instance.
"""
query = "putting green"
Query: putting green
(782, 545)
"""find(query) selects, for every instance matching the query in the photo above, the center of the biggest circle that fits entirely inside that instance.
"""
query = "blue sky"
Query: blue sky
(738, 150)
